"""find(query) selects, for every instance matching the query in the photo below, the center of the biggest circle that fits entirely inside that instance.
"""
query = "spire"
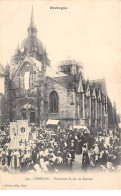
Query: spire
(32, 30)
(114, 104)
(32, 18)
(7, 69)
(1, 70)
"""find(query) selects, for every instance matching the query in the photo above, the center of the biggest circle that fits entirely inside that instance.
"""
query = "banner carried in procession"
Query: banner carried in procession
(19, 131)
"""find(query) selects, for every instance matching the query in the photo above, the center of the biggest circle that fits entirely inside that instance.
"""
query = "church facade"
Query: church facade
(37, 92)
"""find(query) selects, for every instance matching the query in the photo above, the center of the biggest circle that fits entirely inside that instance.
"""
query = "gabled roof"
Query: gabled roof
(67, 81)
(93, 92)
(84, 85)
(50, 72)
(100, 84)
(28, 59)
(99, 94)
(80, 86)
(87, 88)
(71, 81)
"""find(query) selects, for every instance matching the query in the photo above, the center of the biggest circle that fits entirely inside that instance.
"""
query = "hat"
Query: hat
(68, 155)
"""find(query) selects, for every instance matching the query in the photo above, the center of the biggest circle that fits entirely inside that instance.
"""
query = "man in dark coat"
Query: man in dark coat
(85, 161)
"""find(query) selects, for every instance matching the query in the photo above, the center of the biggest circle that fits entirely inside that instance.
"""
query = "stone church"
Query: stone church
(35, 91)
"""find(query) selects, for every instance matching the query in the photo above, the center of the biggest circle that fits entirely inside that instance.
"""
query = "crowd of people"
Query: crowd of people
(55, 150)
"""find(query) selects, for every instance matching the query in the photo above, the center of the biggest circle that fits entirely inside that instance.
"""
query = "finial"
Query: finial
(114, 104)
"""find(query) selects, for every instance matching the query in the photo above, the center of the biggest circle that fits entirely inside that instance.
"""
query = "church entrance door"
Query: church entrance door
(32, 117)
(24, 115)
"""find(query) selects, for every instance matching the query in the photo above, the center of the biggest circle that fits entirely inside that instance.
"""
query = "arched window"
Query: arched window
(53, 102)
(27, 80)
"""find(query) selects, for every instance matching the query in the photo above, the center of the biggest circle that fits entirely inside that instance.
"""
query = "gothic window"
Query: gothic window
(53, 102)
(21, 84)
(26, 80)
(31, 81)
(34, 76)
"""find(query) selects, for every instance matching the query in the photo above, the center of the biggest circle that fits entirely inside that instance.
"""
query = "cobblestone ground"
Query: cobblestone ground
(77, 165)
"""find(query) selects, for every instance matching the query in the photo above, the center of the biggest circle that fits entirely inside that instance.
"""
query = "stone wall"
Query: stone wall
(66, 101)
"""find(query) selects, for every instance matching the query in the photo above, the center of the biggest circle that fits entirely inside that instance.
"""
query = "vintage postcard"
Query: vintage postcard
(60, 94)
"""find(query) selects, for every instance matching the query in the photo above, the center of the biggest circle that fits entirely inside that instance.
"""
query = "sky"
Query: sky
(88, 31)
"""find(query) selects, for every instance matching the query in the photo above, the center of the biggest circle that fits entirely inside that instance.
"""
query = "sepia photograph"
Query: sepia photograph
(60, 94)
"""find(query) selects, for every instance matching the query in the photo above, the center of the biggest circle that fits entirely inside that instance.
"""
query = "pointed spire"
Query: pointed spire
(32, 18)
(7, 68)
(32, 30)
(114, 104)
(1, 70)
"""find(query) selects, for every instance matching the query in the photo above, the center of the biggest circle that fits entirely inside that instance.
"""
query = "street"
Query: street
(77, 163)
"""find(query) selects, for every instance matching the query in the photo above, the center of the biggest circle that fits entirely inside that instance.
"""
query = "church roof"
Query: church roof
(100, 83)
(32, 43)
(51, 72)
(32, 25)
(68, 81)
